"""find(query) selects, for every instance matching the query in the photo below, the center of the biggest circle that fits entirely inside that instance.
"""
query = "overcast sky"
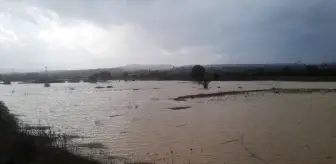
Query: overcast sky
(74, 34)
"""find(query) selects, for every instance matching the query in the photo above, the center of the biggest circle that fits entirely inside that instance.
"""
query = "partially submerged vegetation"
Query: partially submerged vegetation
(22, 144)
(116, 115)
(242, 92)
(202, 77)
(204, 95)
(100, 87)
(198, 75)
(179, 107)
(27, 144)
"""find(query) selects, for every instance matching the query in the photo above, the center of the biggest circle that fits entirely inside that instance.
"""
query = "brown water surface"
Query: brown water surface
(140, 120)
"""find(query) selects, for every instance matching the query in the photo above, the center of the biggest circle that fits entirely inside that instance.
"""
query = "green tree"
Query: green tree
(198, 75)
(216, 76)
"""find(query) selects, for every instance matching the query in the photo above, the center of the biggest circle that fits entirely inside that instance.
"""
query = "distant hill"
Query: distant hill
(163, 67)
(134, 67)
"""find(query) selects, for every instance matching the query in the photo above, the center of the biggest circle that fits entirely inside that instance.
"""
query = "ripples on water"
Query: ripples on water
(135, 119)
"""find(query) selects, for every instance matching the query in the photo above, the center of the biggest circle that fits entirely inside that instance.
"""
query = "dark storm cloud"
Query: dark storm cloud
(246, 31)
(232, 31)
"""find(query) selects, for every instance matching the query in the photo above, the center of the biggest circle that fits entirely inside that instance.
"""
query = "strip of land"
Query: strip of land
(271, 90)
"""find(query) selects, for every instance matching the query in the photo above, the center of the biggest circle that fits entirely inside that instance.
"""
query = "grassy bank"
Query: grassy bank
(21, 144)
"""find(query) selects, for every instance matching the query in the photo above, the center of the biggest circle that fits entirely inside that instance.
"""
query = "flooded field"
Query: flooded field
(142, 121)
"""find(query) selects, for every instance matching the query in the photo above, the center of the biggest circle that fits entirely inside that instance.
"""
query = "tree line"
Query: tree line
(286, 73)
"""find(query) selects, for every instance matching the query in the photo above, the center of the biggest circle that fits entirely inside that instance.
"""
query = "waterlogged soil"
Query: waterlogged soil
(232, 122)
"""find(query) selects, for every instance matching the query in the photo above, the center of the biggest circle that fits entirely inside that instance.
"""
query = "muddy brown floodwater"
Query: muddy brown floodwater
(142, 121)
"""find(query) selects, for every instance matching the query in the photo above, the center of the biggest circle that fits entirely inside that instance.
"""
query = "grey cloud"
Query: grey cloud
(238, 31)
(245, 31)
